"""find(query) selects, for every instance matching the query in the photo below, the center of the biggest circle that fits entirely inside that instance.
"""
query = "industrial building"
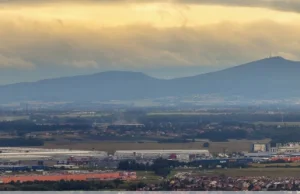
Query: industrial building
(73, 158)
(288, 148)
(17, 153)
(168, 154)
(292, 147)
(228, 162)
(288, 152)
(260, 147)
(22, 168)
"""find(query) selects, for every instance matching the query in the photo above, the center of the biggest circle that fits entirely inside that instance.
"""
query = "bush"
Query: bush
(164, 172)
(206, 145)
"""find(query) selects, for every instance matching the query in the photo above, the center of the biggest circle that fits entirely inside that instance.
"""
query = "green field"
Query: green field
(13, 118)
(148, 177)
(278, 123)
(136, 103)
(182, 113)
(75, 115)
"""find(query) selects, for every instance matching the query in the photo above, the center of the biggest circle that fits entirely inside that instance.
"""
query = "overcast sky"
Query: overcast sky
(163, 38)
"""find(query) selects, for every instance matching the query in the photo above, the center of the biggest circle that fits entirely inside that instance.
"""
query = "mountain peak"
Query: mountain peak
(271, 62)
(269, 78)
(275, 58)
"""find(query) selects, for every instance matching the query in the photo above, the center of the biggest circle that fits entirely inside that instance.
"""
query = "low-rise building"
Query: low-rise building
(152, 154)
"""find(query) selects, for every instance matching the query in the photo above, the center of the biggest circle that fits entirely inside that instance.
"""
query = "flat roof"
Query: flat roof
(162, 151)
(260, 154)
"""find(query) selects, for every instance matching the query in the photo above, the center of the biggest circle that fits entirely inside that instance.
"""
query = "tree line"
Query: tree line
(29, 126)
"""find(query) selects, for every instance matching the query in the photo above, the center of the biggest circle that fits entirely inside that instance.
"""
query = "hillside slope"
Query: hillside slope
(272, 78)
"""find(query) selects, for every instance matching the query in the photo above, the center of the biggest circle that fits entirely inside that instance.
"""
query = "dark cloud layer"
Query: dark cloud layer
(282, 5)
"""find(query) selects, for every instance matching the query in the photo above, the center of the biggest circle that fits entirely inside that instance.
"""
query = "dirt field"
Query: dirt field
(13, 118)
(110, 146)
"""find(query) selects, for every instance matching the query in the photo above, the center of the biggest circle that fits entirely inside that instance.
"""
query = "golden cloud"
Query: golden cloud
(30, 43)
(283, 5)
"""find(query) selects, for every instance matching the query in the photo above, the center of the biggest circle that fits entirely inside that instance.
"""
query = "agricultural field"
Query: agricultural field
(182, 113)
(148, 176)
(133, 103)
(13, 118)
(82, 115)
(278, 123)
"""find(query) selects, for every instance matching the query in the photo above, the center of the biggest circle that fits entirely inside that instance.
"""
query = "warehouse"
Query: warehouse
(232, 162)
(15, 153)
(152, 154)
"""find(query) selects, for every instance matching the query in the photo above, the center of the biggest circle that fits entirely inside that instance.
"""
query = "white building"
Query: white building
(259, 147)
(18, 153)
(152, 154)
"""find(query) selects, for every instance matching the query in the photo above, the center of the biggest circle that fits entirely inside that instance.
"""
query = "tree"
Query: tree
(206, 145)
(164, 172)
(118, 182)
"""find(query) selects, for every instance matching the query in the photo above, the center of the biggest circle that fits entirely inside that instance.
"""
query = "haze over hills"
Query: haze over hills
(271, 78)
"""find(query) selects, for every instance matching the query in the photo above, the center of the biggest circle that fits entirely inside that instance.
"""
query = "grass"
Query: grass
(73, 115)
(13, 118)
(136, 103)
(150, 177)
(278, 123)
(181, 113)
(147, 175)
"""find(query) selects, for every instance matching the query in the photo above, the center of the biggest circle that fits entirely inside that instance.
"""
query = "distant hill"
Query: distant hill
(271, 78)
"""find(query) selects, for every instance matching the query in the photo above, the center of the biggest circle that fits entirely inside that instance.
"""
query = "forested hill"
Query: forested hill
(271, 78)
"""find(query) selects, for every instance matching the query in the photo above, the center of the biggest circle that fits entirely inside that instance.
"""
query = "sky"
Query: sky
(163, 38)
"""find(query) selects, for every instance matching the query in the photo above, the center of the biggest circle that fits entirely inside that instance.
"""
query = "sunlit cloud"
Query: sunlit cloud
(282, 5)
(144, 46)
(14, 62)
(144, 34)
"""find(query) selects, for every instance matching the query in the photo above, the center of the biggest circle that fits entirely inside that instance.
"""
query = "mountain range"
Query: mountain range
(271, 78)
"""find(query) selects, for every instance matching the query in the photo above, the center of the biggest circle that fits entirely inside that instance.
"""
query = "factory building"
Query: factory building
(292, 147)
(58, 157)
(260, 147)
(167, 154)
(16, 153)
(233, 162)
(287, 148)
